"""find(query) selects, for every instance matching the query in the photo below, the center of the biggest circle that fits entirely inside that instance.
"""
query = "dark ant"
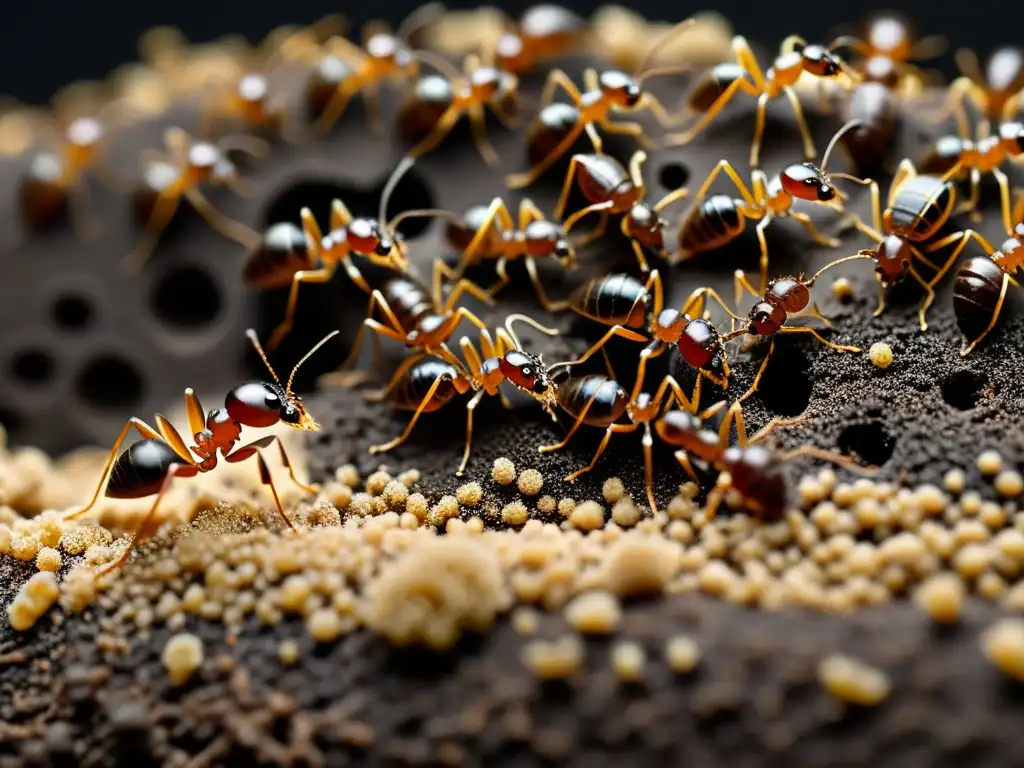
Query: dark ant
(492, 233)
(981, 283)
(178, 173)
(715, 221)
(996, 93)
(425, 383)
(613, 190)
(717, 88)
(605, 94)
(784, 297)
(462, 94)
(347, 69)
(273, 263)
(149, 465)
(918, 207)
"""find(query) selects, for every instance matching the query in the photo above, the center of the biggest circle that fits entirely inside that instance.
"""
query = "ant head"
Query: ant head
(808, 182)
(881, 69)
(820, 61)
(528, 373)
(644, 224)
(699, 343)
(790, 293)
(366, 236)
(1011, 136)
(892, 259)
(488, 82)
(85, 132)
(765, 319)
(510, 51)
(622, 89)
(668, 326)
(544, 238)
(387, 48)
(252, 88)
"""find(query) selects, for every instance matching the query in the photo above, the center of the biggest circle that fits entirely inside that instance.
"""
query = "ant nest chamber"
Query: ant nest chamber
(856, 591)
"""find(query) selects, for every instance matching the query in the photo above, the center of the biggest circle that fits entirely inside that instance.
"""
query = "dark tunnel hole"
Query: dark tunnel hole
(673, 175)
(963, 389)
(186, 298)
(33, 366)
(868, 440)
(110, 382)
(73, 311)
(785, 388)
(411, 192)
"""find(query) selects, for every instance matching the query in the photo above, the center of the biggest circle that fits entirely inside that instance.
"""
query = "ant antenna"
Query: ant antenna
(659, 46)
(404, 165)
(423, 16)
(305, 357)
(835, 140)
(423, 213)
(249, 332)
(440, 63)
(519, 318)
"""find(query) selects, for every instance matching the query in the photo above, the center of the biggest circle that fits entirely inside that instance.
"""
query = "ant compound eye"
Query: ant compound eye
(825, 192)
(526, 370)
(540, 387)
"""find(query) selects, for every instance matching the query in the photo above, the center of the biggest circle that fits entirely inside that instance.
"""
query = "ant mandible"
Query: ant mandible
(150, 464)
(717, 88)
(605, 94)
(178, 173)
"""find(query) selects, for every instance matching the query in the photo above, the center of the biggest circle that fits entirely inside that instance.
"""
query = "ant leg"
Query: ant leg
(563, 198)
(684, 462)
(726, 166)
(881, 296)
(760, 372)
(427, 398)
(256, 448)
(641, 259)
(683, 138)
(503, 279)
(741, 283)
(572, 430)
(671, 197)
(759, 119)
(466, 286)
(648, 445)
(612, 429)
(382, 394)
(570, 223)
(700, 295)
(557, 78)
(818, 336)
(321, 275)
(630, 129)
(229, 228)
(820, 453)
(597, 232)
(470, 407)
(819, 238)
(653, 104)
(312, 488)
(440, 272)
(497, 211)
(615, 330)
(801, 120)
(548, 304)
(145, 430)
(478, 125)
(714, 501)
(968, 346)
(441, 129)
(335, 107)
(837, 262)
(954, 104)
(371, 103)
(393, 330)
(763, 243)
(971, 204)
(163, 212)
(354, 274)
(1004, 199)
(595, 138)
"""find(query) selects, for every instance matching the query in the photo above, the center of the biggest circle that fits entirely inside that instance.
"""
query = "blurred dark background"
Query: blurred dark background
(44, 45)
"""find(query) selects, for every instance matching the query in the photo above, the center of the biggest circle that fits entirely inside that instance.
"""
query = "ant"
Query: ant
(917, 209)
(784, 296)
(623, 37)
(606, 93)
(750, 469)
(178, 173)
(150, 464)
(463, 94)
(996, 93)
(715, 221)
(981, 283)
(273, 264)
(721, 83)
(612, 190)
(347, 69)
(425, 383)
(492, 233)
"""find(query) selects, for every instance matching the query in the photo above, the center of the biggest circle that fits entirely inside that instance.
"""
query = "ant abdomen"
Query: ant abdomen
(460, 234)
(415, 385)
(42, 196)
(141, 470)
(157, 178)
(757, 475)
(715, 223)
(549, 129)
(713, 85)
(618, 299)
(685, 430)
(976, 292)
(428, 100)
(323, 83)
(280, 254)
(700, 343)
(920, 208)
(608, 396)
(789, 293)
(874, 105)
(943, 155)
(766, 318)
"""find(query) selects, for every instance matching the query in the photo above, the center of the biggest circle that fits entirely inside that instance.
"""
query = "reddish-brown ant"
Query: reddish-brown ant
(996, 93)
(178, 173)
(426, 383)
(784, 296)
(981, 283)
(917, 209)
(492, 233)
(606, 93)
(463, 94)
(346, 69)
(714, 221)
(717, 88)
(149, 465)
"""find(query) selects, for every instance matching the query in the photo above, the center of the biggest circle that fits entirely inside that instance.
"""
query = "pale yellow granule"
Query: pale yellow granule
(530, 482)
(625, 513)
(48, 559)
(33, 600)
(469, 495)
(377, 482)
(1003, 645)
(546, 504)
(1009, 484)
(555, 659)
(525, 620)
(853, 681)
(288, 652)
(395, 494)
(594, 613)
(842, 288)
(182, 656)
(942, 596)
(417, 505)
(587, 516)
(880, 354)
(514, 513)
(504, 471)
(613, 490)
(348, 475)
(566, 507)
(989, 462)
(637, 564)
(628, 660)
(324, 625)
(682, 653)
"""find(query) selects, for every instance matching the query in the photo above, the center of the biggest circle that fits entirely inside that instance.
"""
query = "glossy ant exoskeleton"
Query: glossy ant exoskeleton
(149, 465)
(981, 283)
(425, 383)
(717, 88)
(996, 93)
(178, 173)
(917, 209)
(606, 93)
(492, 234)
(717, 220)
(785, 296)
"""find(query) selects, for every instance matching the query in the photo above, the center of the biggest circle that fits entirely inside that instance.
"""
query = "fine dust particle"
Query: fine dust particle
(417, 505)
(182, 656)
(942, 596)
(639, 564)
(880, 354)
(594, 613)
(954, 481)
(566, 506)
(556, 659)
(469, 495)
(628, 661)
(1003, 645)
(48, 559)
(503, 471)
(587, 516)
(525, 620)
(989, 462)
(613, 490)
(842, 289)
(682, 654)
(33, 600)
(514, 513)
(324, 625)
(853, 681)
(1009, 484)
(546, 504)
(432, 593)
(625, 513)
(530, 482)
(288, 652)
(395, 494)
